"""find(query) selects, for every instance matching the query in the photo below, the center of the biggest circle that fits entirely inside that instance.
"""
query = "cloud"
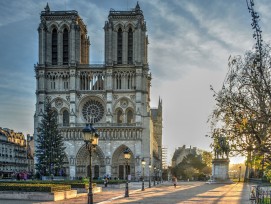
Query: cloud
(190, 42)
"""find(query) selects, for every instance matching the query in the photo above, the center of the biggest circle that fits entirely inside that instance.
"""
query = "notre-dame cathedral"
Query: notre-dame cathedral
(114, 96)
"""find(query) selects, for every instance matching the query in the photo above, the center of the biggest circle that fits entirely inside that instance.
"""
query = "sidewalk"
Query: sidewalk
(185, 192)
(191, 193)
(106, 196)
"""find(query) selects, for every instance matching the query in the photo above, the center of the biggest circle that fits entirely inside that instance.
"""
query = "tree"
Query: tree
(243, 108)
(207, 158)
(50, 144)
(192, 166)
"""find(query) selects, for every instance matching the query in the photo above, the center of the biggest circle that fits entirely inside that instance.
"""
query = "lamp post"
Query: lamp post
(239, 173)
(154, 170)
(91, 139)
(150, 175)
(157, 176)
(127, 156)
(143, 162)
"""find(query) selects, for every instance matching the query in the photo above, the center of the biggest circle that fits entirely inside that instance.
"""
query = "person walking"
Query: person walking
(174, 181)
(105, 182)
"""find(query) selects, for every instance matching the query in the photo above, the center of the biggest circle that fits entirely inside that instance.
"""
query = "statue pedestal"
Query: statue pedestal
(220, 171)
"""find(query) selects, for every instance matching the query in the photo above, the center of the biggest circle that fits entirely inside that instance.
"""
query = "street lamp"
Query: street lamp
(150, 175)
(154, 170)
(160, 175)
(239, 173)
(127, 156)
(157, 176)
(91, 139)
(143, 162)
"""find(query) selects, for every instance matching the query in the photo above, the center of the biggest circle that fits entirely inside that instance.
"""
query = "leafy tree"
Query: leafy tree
(191, 166)
(207, 170)
(243, 108)
(190, 172)
(50, 144)
(194, 161)
(207, 158)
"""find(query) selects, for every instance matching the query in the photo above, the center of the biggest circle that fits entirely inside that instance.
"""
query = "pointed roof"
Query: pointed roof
(137, 8)
(47, 8)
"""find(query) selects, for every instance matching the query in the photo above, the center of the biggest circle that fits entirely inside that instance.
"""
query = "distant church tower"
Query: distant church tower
(114, 96)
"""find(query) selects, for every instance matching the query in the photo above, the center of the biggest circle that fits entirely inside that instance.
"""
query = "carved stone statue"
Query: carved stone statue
(221, 148)
(221, 161)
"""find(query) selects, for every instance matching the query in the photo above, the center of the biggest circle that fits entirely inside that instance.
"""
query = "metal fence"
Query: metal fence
(260, 194)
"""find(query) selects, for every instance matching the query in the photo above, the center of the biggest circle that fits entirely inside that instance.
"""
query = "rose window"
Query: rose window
(93, 111)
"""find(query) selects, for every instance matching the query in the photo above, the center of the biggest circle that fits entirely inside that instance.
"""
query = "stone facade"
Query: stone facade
(114, 96)
(13, 153)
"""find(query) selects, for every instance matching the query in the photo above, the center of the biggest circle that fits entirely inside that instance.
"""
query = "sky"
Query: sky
(190, 43)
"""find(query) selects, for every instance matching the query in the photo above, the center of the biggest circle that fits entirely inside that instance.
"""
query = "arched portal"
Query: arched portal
(82, 163)
(120, 167)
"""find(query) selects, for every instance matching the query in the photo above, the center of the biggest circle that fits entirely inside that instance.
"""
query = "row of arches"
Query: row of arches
(120, 167)
(121, 117)
(65, 46)
(63, 118)
(94, 108)
(126, 116)
(124, 81)
(92, 81)
(61, 43)
(120, 45)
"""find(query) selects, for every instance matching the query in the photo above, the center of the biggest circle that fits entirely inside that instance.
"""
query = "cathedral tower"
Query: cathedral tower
(114, 96)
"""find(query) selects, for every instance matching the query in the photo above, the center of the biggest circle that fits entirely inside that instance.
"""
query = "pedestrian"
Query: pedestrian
(105, 182)
(174, 181)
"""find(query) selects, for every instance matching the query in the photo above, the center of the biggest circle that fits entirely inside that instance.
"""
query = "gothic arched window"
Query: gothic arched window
(130, 116)
(54, 47)
(130, 46)
(65, 46)
(119, 116)
(118, 81)
(66, 119)
(119, 46)
(129, 84)
(53, 84)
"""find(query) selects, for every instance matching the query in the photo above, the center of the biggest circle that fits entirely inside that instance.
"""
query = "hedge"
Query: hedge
(72, 183)
(27, 187)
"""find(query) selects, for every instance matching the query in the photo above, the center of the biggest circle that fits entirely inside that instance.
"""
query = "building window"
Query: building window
(53, 84)
(65, 46)
(119, 48)
(118, 82)
(130, 116)
(119, 116)
(129, 84)
(130, 46)
(93, 111)
(54, 47)
(66, 85)
(66, 119)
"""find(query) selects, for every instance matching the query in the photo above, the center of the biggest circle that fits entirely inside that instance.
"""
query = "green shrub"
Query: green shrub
(72, 183)
(110, 181)
(28, 187)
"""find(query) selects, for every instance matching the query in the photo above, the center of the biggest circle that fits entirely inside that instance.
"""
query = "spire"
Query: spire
(47, 8)
(137, 8)
(160, 102)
